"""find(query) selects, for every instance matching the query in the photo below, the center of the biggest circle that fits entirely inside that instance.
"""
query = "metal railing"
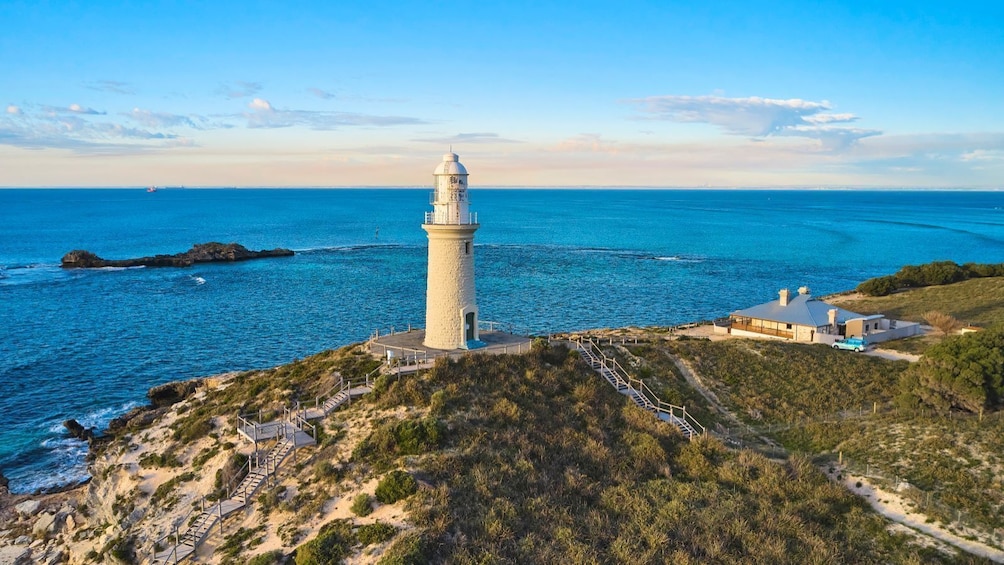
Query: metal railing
(626, 380)
(443, 218)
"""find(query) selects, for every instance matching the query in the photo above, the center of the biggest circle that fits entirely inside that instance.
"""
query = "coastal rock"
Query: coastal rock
(172, 393)
(136, 418)
(15, 555)
(4, 484)
(28, 507)
(43, 525)
(212, 252)
(53, 556)
(22, 540)
(77, 430)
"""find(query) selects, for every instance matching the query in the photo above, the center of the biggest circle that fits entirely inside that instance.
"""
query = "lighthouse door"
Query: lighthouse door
(469, 327)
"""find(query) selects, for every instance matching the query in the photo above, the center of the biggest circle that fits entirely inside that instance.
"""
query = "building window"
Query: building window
(467, 248)
(787, 326)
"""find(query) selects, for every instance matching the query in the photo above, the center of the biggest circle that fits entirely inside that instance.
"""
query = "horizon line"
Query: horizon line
(515, 187)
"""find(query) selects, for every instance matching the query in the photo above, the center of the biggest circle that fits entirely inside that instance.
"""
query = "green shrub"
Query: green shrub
(396, 485)
(362, 505)
(964, 372)
(155, 460)
(411, 549)
(936, 273)
(274, 557)
(377, 532)
(401, 437)
(330, 547)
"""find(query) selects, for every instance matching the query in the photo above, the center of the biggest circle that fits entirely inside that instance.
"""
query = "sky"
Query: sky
(649, 94)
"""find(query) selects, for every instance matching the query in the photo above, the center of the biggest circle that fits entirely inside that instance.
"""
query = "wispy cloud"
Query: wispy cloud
(74, 109)
(323, 94)
(758, 117)
(81, 129)
(263, 114)
(239, 89)
(586, 143)
(153, 119)
(461, 138)
(115, 86)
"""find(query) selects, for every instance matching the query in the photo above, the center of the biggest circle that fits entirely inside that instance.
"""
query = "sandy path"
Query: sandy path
(893, 355)
(895, 508)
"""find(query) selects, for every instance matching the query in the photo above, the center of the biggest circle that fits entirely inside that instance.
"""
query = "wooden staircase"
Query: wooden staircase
(290, 433)
(636, 389)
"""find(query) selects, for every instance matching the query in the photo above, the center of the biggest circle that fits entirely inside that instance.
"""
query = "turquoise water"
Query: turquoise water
(87, 344)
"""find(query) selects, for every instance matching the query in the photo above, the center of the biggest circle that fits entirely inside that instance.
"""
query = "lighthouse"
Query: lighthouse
(451, 313)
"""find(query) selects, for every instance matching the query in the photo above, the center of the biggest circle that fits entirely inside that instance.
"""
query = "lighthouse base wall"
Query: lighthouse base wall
(451, 312)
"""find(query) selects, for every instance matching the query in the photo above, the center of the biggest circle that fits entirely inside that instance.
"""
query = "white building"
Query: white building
(451, 313)
(804, 318)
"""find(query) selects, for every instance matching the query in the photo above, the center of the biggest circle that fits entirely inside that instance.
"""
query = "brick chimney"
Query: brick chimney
(832, 313)
(785, 296)
(803, 290)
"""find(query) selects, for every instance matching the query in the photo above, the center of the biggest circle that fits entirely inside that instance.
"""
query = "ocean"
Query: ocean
(88, 344)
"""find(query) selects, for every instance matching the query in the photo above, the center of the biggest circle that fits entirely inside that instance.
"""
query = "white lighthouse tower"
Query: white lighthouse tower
(451, 314)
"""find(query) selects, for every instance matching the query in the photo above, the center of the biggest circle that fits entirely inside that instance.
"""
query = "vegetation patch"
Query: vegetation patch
(396, 485)
(547, 463)
(974, 301)
(964, 372)
(936, 273)
(332, 544)
(376, 532)
(362, 505)
(781, 382)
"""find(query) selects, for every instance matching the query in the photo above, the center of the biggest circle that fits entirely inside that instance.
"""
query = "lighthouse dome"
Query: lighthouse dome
(450, 166)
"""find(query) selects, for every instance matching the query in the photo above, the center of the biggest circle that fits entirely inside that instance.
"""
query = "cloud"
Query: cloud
(14, 110)
(480, 137)
(260, 104)
(152, 119)
(84, 130)
(78, 109)
(586, 143)
(264, 115)
(758, 117)
(239, 89)
(111, 86)
(323, 94)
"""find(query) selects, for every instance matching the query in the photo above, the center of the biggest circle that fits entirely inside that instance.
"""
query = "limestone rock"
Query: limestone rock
(52, 557)
(22, 540)
(43, 525)
(4, 484)
(28, 507)
(77, 430)
(70, 522)
(136, 418)
(199, 253)
(15, 555)
(171, 393)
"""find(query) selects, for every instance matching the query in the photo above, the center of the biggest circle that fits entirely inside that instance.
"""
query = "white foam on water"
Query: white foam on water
(199, 280)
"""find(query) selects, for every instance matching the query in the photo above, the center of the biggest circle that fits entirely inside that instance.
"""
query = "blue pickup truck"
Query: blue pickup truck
(851, 344)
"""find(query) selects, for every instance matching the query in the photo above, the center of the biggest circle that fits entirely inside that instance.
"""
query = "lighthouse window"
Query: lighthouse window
(467, 248)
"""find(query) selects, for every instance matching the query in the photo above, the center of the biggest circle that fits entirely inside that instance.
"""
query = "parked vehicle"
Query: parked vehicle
(851, 344)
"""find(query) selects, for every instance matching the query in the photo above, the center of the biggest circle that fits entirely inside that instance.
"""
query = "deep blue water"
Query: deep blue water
(87, 344)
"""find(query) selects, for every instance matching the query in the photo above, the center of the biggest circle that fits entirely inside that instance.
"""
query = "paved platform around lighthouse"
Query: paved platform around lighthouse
(406, 347)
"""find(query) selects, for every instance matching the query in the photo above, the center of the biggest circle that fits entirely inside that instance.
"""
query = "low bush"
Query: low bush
(377, 532)
(362, 505)
(396, 485)
(331, 546)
